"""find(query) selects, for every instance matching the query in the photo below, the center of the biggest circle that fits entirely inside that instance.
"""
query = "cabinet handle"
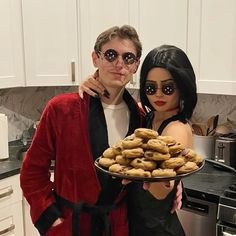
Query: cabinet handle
(8, 193)
(73, 71)
(9, 229)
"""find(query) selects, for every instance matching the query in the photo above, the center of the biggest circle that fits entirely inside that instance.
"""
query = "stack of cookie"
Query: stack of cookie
(147, 154)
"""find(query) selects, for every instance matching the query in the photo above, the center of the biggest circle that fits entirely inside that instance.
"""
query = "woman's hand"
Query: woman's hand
(178, 198)
(159, 189)
(161, 194)
(92, 87)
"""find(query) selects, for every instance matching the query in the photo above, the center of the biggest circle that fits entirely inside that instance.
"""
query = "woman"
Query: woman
(168, 96)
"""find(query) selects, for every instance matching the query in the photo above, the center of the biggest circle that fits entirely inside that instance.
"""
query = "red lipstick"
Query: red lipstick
(160, 103)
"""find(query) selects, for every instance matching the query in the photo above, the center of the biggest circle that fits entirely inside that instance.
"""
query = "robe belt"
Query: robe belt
(77, 208)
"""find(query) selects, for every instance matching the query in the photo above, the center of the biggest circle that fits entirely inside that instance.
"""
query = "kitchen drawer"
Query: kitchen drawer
(10, 191)
(11, 220)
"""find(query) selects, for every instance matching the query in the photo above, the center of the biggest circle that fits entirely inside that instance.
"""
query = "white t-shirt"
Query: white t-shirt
(117, 119)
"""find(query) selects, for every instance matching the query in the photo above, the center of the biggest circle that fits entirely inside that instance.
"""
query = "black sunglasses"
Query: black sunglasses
(167, 88)
(111, 55)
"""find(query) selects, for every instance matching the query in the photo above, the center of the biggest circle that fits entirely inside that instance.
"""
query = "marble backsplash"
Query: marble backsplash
(23, 106)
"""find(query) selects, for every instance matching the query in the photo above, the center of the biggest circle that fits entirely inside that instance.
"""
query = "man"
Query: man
(73, 132)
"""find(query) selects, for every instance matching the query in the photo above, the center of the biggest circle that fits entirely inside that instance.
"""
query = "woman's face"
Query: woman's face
(161, 90)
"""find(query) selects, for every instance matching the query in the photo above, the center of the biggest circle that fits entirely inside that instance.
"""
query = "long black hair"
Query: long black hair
(177, 63)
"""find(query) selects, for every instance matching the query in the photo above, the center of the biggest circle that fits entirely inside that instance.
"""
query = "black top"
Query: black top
(147, 215)
(150, 116)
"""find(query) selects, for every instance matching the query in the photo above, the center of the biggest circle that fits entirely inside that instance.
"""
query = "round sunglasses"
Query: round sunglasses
(111, 55)
(167, 88)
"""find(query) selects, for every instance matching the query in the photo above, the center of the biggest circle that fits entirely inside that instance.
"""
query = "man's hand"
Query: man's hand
(57, 222)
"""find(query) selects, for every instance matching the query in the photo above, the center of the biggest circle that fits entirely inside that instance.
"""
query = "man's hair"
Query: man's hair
(123, 32)
(177, 63)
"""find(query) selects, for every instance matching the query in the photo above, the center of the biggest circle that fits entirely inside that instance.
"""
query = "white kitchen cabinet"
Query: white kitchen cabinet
(160, 22)
(50, 42)
(11, 47)
(11, 216)
(157, 22)
(95, 17)
(211, 45)
(29, 228)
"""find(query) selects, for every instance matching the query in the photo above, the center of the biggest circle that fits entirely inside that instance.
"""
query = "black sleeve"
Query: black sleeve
(47, 218)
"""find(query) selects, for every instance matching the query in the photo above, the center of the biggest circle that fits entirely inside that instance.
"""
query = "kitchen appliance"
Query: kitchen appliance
(4, 152)
(226, 215)
(198, 217)
(225, 150)
(204, 145)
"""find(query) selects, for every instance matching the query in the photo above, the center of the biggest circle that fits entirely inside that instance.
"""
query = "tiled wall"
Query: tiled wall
(23, 106)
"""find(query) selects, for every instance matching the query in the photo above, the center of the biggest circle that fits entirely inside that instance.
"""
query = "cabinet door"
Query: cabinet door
(161, 22)
(50, 42)
(212, 48)
(11, 220)
(95, 17)
(10, 191)
(11, 216)
(29, 228)
(11, 47)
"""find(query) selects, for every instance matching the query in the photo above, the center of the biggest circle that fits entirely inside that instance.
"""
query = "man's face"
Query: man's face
(116, 62)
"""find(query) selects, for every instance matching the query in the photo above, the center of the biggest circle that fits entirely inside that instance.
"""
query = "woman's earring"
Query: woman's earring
(181, 105)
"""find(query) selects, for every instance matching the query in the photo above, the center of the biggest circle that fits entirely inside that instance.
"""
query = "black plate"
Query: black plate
(147, 179)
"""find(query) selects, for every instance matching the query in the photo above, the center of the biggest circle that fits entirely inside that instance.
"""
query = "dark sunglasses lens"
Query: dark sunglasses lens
(129, 58)
(110, 55)
(168, 89)
(150, 88)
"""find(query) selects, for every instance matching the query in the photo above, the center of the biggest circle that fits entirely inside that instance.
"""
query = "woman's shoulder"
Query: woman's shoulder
(180, 131)
(179, 126)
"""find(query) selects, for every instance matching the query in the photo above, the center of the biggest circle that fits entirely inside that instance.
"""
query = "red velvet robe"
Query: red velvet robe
(63, 136)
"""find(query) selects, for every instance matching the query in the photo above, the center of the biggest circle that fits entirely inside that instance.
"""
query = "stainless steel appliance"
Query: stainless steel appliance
(198, 217)
(225, 150)
(226, 225)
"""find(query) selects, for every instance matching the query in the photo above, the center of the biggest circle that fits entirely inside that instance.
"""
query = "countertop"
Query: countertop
(207, 184)
(11, 166)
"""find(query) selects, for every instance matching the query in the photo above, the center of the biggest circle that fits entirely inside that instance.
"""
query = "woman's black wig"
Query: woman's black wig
(177, 63)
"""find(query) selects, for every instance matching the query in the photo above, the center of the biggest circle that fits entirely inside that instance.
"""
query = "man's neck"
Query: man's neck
(115, 98)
